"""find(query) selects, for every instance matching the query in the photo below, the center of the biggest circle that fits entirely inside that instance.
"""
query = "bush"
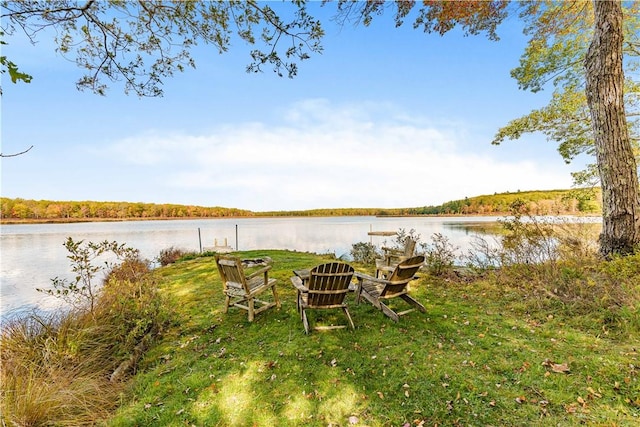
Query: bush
(131, 269)
(365, 253)
(440, 256)
(170, 255)
(82, 292)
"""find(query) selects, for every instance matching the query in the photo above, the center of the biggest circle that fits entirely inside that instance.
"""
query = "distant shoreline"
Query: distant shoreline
(14, 221)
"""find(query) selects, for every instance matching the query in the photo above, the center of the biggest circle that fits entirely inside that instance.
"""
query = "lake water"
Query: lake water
(33, 254)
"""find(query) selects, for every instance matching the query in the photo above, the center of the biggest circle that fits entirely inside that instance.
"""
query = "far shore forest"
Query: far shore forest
(551, 202)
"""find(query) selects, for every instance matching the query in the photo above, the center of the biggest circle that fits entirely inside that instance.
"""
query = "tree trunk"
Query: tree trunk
(616, 163)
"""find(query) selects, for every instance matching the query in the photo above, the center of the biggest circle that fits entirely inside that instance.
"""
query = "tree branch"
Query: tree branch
(16, 154)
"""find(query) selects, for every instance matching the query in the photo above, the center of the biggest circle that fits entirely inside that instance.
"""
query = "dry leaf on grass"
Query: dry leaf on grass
(559, 368)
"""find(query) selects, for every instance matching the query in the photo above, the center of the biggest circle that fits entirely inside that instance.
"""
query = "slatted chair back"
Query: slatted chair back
(232, 275)
(409, 247)
(242, 290)
(404, 272)
(329, 284)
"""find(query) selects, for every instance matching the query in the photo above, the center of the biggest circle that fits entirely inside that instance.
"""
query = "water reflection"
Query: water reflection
(476, 228)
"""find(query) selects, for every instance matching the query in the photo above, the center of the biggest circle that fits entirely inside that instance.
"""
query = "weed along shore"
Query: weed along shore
(553, 343)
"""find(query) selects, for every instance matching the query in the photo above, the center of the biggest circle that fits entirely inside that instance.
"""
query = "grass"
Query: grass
(488, 352)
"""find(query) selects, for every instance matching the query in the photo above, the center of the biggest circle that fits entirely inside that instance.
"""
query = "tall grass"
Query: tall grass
(52, 371)
(58, 368)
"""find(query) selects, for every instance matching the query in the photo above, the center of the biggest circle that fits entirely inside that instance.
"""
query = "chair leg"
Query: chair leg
(373, 300)
(305, 321)
(227, 302)
(251, 306)
(275, 296)
(346, 312)
(299, 304)
(413, 302)
(390, 313)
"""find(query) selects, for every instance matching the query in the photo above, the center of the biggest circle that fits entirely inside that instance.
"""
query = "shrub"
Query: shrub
(440, 256)
(365, 253)
(131, 269)
(82, 292)
(402, 235)
(170, 255)
(528, 239)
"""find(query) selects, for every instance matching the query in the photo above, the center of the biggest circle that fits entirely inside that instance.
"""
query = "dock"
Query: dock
(219, 248)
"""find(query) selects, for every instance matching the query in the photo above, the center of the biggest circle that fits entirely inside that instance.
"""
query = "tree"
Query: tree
(560, 34)
(142, 42)
(563, 36)
(616, 163)
(108, 49)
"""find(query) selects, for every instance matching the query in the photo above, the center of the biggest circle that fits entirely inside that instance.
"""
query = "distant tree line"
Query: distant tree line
(553, 202)
(556, 202)
(45, 210)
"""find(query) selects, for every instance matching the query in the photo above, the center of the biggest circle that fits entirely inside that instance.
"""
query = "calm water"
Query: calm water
(33, 254)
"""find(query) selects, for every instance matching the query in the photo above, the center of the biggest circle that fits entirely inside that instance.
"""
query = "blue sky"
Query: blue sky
(384, 117)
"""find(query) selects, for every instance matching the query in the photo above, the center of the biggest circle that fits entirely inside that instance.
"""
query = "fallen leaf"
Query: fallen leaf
(380, 395)
(560, 368)
(353, 419)
(521, 399)
(593, 393)
(570, 409)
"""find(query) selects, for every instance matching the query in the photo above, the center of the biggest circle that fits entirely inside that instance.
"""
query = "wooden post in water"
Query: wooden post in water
(200, 239)
(236, 237)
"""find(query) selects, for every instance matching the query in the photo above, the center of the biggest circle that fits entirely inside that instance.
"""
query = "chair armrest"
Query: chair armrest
(297, 283)
(361, 277)
(259, 272)
(392, 250)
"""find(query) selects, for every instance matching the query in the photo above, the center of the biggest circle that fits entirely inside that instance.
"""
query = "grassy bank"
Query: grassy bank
(492, 350)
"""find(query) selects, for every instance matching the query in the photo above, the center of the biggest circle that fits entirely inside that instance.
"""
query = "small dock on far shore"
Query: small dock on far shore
(372, 233)
(225, 248)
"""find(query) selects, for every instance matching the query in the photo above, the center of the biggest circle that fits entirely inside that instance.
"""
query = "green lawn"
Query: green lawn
(482, 355)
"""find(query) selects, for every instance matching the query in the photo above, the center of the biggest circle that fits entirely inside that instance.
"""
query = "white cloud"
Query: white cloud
(323, 156)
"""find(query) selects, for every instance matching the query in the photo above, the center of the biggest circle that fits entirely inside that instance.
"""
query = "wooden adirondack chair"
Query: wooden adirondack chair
(393, 256)
(325, 287)
(378, 291)
(241, 290)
